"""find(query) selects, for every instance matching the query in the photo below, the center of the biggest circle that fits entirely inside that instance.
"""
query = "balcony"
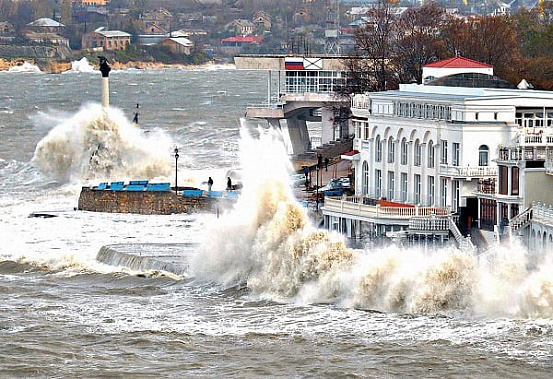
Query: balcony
(359, 207)
(467, 172)
(427, 224)
(535, 137)
(360, 102)
(522, 153)
(542, 213)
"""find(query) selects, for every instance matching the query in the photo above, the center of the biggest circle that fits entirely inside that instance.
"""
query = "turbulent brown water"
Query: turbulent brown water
(265, 293)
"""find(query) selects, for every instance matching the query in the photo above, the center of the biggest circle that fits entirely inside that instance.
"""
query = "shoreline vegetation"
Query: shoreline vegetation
(57, 67)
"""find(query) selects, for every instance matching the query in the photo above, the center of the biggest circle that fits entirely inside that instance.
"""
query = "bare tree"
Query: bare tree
(418, 41)
(375, 45)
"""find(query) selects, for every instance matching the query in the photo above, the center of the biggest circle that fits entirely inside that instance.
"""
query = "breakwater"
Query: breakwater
(170, 258)
(149, 202)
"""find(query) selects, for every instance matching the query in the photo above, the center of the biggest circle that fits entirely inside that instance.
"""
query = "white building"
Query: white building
(428, 147)
(454, 66)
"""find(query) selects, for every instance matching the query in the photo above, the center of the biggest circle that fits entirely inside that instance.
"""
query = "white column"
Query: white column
(105, 92)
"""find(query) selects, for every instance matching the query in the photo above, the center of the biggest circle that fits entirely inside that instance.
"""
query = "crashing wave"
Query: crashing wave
(25, 67)
(81, 65)
(97, 143)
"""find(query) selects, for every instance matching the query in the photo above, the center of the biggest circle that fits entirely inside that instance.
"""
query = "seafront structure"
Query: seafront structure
(300, 89)
(517, 202)
(423, 152)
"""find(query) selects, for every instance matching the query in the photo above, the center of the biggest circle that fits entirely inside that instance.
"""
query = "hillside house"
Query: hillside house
(106, 40)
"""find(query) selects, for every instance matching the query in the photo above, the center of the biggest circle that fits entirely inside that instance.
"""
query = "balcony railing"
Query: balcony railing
(356, 206)
(467, 171)
(432, 223)
(535, 137)
(522, 153)
(360, 102)
(542, 212)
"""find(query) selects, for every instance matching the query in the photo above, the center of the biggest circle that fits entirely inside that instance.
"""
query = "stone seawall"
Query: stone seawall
(148, 202)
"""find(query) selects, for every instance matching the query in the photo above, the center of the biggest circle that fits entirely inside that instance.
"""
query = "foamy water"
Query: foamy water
(101, 144)
(268, 294)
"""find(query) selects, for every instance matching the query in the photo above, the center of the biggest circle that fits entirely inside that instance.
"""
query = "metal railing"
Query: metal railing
(276, 105)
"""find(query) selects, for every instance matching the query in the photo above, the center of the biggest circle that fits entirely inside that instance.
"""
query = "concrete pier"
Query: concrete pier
(171, 258)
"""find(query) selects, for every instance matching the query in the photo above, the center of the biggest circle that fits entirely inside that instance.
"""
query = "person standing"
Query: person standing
(326, 163)
(209, 184)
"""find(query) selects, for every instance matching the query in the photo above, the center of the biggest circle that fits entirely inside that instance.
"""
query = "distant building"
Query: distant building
(46, 25)
(92, 3)
(179, 45)
(157, 21)
(241, 27)
(45, 31)
(454, 66)
(262, 20)
(7, 32)
(239, 41)
(106, 40)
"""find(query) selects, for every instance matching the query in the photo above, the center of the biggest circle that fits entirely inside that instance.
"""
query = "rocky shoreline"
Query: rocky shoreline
(56, 67)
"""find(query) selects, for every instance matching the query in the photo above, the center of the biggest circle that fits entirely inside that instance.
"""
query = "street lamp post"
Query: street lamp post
(176, 169)
(317, 189)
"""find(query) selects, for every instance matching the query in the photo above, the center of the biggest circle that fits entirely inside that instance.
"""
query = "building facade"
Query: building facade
(434, 146)
(106, 40)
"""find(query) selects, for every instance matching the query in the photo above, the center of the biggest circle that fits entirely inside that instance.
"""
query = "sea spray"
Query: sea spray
(101, 144)
(268, 243)
(81, 65)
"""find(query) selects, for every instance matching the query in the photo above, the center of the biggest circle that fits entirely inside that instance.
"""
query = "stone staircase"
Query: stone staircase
(521, 220)
(332, 150)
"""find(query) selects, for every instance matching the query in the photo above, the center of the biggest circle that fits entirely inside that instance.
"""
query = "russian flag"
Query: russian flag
(293, 63)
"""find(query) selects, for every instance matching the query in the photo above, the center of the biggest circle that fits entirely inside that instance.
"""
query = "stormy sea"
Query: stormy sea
(263, 292)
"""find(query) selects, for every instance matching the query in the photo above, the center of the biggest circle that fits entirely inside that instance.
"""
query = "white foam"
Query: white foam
(81, 65)
(26, 67)
(101, 144)
(269, 243)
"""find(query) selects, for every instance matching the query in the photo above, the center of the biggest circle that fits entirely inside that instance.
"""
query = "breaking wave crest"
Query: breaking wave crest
(81, 65)
(269, 243)
(101, 144)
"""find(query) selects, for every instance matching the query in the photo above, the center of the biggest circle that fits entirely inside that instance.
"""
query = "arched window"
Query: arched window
(483, 151)
(365, 186)
(417, 153)
(404, 151)
(431, 155)
(377, 149)
(391, 150)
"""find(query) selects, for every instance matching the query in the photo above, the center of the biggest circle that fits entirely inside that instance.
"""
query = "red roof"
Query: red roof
(244, 39)
(384, 203)
(351, 152)
(458, 62)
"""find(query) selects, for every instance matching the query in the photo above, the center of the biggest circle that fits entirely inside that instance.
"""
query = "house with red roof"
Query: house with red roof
(454, 66)
(235, 43)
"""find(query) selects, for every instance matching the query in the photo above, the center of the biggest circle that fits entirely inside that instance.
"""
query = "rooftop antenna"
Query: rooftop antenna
(332, 31)
(105, 69)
